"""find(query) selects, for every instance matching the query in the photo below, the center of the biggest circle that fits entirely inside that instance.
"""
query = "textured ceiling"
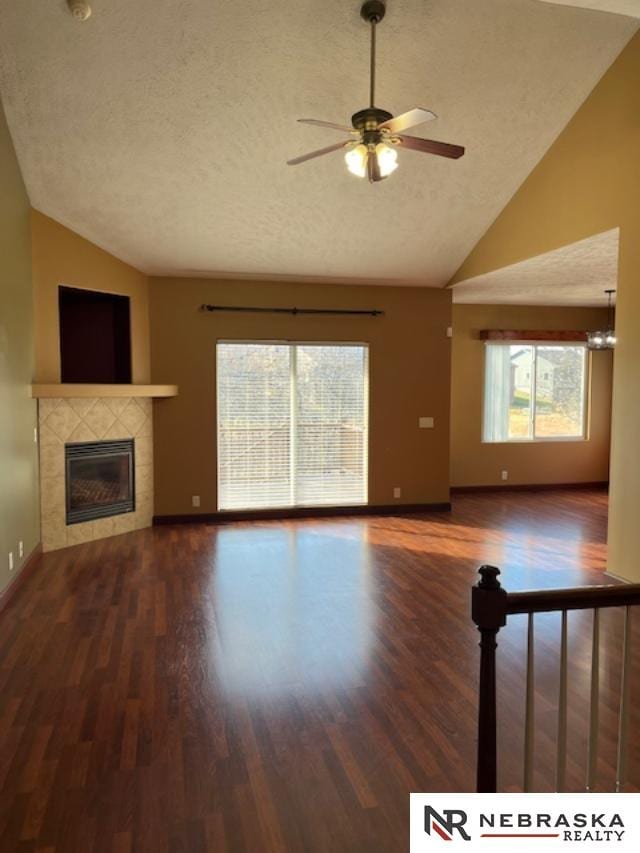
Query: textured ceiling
(573, 275)
(620, 7)
(160, 129)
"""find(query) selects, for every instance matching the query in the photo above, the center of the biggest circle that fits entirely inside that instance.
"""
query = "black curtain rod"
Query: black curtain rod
(294, 311)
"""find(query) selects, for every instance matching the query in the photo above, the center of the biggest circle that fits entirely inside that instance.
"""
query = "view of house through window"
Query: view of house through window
(292, 424)
(534, 391)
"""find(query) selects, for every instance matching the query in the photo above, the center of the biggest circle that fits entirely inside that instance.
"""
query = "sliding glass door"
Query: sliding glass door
(292, 424)
(330, 424)
(254, 417)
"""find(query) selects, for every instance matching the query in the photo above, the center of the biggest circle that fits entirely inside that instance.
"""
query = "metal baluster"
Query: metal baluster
(592, 752)
(625, 685)
(561, 748)
(530, 710)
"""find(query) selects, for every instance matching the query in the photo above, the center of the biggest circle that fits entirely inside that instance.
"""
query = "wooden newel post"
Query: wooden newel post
(488, 611)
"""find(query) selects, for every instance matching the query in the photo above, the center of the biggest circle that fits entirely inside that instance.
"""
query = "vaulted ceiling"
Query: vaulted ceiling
(160, 129)
(578, 274)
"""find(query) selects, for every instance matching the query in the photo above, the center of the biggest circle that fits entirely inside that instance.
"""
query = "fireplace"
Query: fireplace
(99, 479)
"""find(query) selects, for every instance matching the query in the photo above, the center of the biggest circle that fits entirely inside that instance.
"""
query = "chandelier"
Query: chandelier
(604, 339)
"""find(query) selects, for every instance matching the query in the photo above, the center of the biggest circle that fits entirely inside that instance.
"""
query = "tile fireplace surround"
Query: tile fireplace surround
(77, 419)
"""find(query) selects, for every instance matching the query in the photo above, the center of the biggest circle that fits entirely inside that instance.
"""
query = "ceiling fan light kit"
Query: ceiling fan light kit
(357, 160)
(376, 134)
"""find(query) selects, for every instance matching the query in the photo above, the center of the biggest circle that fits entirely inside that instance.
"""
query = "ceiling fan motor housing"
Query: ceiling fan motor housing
(369, 118)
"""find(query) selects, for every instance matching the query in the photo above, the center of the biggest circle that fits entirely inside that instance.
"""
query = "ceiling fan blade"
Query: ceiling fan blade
(406, 120)
(430, 146)
(318, 123)
(304, 157)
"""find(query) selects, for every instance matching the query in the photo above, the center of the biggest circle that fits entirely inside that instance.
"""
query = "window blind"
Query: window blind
(292, 424)
(254, 425)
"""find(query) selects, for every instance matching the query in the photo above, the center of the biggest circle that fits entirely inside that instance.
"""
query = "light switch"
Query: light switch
(425, 423)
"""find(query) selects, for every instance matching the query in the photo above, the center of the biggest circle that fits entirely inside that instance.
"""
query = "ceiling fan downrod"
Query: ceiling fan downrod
(373, 12)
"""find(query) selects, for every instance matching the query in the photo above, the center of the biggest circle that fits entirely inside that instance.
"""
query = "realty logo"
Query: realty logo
(498, 823)
(445, 824)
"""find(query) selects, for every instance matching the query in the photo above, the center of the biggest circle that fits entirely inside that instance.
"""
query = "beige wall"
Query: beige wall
(19, 511)
(409, 377)
(474, 463)
(589, 182)
(61, 256)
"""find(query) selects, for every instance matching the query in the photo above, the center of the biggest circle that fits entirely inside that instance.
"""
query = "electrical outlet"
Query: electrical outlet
(397, 492)
(449, 331)
(425, 423)
(505, 475)
(10, 561)
(21, 549)
(195, 500)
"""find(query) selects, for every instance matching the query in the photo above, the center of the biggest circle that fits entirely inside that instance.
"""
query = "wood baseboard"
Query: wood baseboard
(14, 586)
(228, 516)
(532, 487)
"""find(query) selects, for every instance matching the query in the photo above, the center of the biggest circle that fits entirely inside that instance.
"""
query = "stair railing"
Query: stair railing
(491, 605)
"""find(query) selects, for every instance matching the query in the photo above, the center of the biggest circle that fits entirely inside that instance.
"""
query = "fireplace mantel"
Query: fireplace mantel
(93, 390)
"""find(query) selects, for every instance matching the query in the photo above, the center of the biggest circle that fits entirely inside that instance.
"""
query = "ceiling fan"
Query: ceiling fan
(376, 134)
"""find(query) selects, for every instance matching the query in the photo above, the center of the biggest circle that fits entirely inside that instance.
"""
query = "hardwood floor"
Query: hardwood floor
(283, 686)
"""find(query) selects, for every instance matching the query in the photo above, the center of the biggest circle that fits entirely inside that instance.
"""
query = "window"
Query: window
(534, 392)
(292, 424)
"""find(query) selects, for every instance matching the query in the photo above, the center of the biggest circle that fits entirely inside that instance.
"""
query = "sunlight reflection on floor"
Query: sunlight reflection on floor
(293, 615)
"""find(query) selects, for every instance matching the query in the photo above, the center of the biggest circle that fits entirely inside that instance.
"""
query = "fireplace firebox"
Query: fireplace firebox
(99, 479)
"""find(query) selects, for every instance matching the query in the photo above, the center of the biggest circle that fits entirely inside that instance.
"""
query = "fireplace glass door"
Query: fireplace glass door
(99, 479)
